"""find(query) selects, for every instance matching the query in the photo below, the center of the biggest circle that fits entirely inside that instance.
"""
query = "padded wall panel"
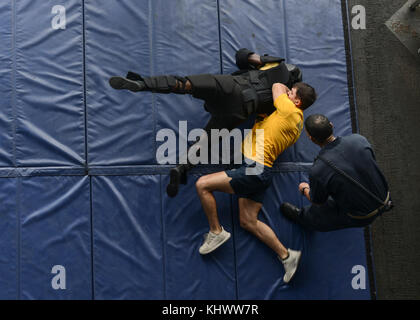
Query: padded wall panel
(55, 231)
(127, 230)
(6, 85)
(188, 274)
(49, 84)
(329, 261)
(306, 33)
(188, 45)
(129, 240)
(121, 124)
(264, 31)
(316, 44)
(259, 271)
(8, 240)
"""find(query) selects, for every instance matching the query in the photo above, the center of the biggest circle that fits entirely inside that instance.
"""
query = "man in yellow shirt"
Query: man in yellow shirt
(229, 98)
(281, 129)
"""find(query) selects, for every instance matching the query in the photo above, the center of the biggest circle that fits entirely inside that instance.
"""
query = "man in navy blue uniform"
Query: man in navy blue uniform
(346, 187)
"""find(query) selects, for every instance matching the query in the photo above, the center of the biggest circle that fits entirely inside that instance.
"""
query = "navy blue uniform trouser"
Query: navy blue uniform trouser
(328, 217)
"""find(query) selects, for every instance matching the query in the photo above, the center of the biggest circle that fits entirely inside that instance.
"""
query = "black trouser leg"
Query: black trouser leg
(160, 84)
(168, 84)
(222, 96)
(206, 87)
(178, 175)
(328, 217)
(212, 88)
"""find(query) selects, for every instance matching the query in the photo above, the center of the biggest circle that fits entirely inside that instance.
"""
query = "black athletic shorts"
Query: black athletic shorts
(250, 186)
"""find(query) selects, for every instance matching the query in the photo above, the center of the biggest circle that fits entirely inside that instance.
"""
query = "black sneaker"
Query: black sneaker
(120, 83)
(290, 211)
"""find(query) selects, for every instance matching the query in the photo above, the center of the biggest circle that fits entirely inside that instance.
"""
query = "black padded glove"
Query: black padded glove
(266, 59)
(242, 59)
(133, 76)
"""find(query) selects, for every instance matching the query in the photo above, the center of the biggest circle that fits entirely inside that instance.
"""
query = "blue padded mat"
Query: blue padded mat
(188, 274)
(48, 76)
(80, 186)
(6, 87)
(128, 264)
(54, 230)
(8, 239)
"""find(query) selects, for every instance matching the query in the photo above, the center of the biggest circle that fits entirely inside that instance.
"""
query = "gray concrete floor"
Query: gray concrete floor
(387, 82)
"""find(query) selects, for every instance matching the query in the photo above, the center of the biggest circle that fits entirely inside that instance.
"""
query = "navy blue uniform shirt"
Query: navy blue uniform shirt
(354, 155)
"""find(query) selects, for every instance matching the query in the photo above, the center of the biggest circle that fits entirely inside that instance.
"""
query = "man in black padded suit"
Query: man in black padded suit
(230, 99)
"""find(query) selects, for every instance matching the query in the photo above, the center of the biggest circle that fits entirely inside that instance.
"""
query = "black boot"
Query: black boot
(290, 211)
(120, 83)
(177, 176)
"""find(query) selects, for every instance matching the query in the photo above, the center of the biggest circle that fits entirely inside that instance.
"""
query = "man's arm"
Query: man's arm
(319, 196)
(279, 89)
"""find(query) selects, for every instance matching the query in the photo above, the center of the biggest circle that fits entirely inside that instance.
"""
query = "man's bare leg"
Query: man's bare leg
(206, 185)
(248, 218)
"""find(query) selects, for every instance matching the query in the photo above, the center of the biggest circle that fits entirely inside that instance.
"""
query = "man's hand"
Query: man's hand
(279, 89)
(304, 190)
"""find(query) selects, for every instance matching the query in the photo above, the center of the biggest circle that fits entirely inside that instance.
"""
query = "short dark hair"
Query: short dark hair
(319, 127)
(306, 94)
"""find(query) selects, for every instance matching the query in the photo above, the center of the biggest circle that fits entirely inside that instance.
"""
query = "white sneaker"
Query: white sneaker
(213, 241)
(290, 264)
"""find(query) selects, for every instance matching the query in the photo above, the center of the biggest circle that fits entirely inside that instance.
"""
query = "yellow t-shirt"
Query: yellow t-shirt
(282, 129)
